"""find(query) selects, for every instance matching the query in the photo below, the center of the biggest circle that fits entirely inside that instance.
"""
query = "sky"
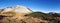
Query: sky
(34, 5)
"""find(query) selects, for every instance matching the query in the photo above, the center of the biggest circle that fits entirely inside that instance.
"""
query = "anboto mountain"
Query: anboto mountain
(17, 14)
(20, 9)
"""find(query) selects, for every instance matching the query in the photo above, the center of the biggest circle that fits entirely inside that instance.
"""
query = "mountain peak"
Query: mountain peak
(18, 8)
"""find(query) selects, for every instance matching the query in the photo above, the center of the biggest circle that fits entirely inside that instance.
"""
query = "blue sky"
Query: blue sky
(35, 5)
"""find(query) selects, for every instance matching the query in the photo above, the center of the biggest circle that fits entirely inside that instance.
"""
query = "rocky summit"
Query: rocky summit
(20, 9)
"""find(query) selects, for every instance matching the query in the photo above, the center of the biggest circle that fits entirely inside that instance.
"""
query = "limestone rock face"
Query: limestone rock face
(20, 9)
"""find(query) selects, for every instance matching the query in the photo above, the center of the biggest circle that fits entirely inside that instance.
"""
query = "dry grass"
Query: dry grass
(20, 18)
